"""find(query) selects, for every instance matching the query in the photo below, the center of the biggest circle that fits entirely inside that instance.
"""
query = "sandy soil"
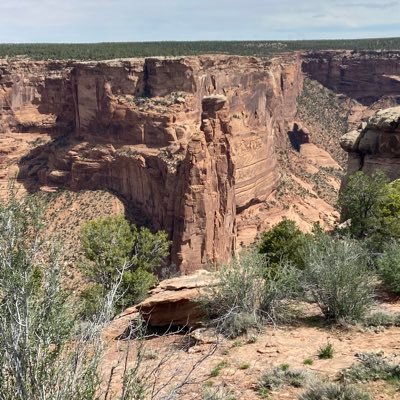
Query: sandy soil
(247, 358)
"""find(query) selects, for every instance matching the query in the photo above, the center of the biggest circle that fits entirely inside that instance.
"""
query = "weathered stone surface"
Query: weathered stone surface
(350, 140)
(191, 143)
(176, 301)
(387, 120)
(318, 156)
(376, 145)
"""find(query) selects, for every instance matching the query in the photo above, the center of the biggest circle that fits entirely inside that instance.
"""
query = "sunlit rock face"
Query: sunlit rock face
(197, 146)
(375, 145)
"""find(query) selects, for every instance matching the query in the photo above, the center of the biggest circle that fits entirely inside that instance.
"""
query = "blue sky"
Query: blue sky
(147, 20)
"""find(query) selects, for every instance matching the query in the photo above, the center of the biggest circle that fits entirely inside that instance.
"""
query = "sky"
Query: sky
(26, 21)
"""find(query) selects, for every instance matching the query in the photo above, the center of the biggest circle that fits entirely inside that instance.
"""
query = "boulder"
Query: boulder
(350, 140)
(387, 120)
(176, 301)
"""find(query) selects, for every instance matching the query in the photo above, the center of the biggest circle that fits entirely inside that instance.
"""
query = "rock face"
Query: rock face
(375, 145)
(363, 76)
(207, 148)
(36, 96)
(190, 142)
(177, 301)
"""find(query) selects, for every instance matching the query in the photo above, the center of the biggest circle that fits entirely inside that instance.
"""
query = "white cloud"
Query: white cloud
(124, 20)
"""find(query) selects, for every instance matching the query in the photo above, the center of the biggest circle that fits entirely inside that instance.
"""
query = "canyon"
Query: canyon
(212, 149)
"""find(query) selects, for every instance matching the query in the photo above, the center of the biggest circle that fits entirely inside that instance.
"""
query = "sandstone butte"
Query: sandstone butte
(197, 145)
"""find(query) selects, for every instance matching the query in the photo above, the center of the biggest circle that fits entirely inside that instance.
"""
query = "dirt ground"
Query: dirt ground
(246, 358)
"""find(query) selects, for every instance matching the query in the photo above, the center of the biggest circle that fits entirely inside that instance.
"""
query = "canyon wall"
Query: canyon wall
(190, 142)
(363, 76)
(198, 146)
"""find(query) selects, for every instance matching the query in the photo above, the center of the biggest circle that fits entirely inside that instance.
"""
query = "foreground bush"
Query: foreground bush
(283, 376)
(382, 319)
(113, 247)
(372, 366)
(234, 303)
(38, 358)
(244, 298)
(338, 277)
(335, 391)
(46, 352)
(389, 266)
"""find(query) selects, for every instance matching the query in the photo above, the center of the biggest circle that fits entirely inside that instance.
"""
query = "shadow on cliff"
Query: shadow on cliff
(35, 162)
(297, 137)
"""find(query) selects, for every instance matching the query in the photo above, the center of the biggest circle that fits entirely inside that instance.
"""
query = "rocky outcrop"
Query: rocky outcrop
(36, 96)
(177, 301)
(363, 76)
(375, 145)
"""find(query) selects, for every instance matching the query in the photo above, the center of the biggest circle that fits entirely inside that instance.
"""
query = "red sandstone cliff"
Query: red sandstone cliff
(365, 76)
(198, 145)
(189, 141)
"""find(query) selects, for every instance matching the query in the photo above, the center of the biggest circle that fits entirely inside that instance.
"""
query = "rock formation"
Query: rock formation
(375, 145)
(176, 301)
(189, 141)
(363, 76)
(199, 146)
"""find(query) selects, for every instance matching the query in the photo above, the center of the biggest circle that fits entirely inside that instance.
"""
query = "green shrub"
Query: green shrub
(373, 205)
(326, 352)
(338, 277)
(135, 286)
(382, 319)
(282, 243)
(372, 366)
(334, 391)
(244, 299)
(283, 376)
(106, 242)
(389, 266)
(113, 247)
(362, 200)
(233, 303)
(280, 285)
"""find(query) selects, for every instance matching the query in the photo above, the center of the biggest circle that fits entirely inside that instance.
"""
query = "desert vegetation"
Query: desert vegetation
(337, 271)
(114, 247)
(106, 51)
(52, 337)
(46, 350)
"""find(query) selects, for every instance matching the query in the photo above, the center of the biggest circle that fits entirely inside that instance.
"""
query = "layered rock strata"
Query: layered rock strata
(198, 146)
(190, 142)
(365, 76)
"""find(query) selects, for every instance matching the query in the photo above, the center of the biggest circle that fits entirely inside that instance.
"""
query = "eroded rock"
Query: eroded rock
(375, 145)
(177, 301)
